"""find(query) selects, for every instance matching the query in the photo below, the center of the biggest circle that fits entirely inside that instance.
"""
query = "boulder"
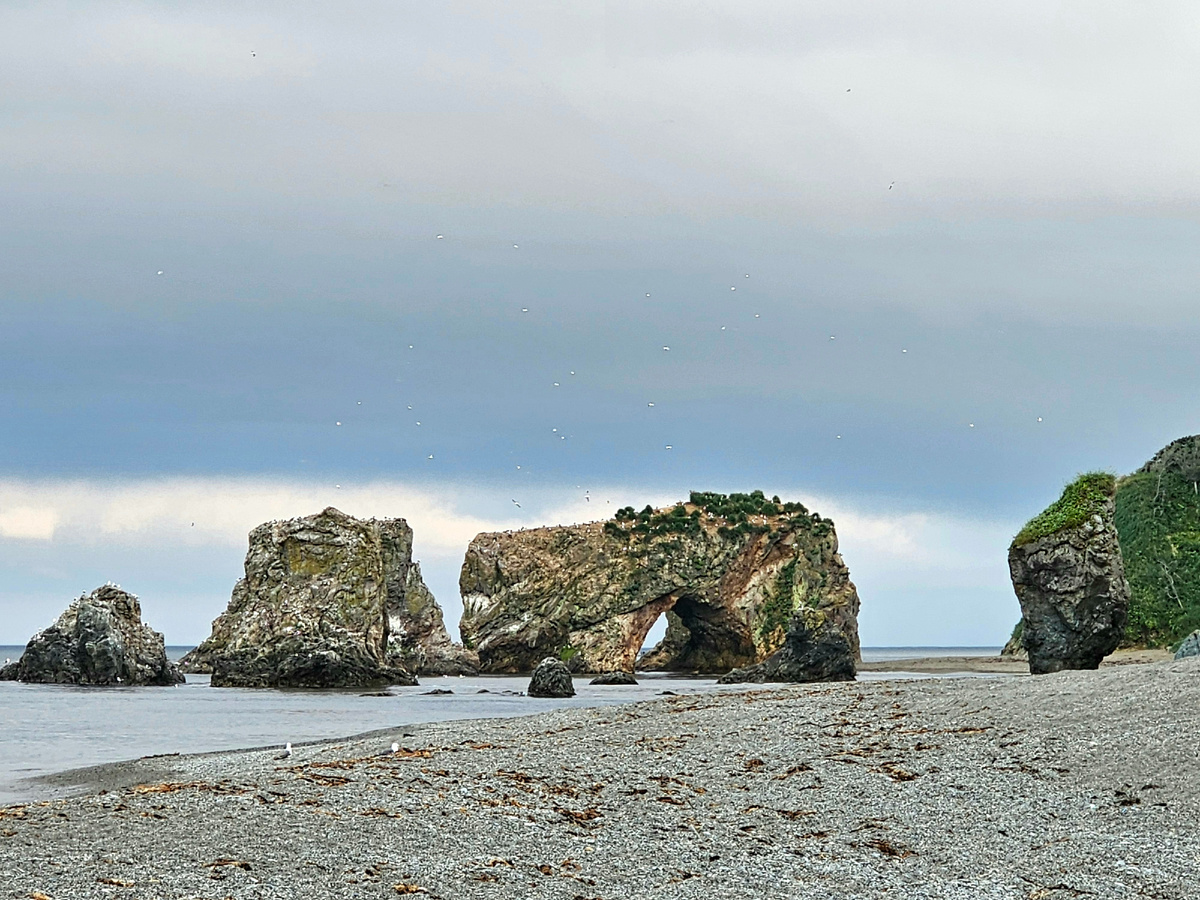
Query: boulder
(1190, 645)
(551, 678)
(99, 640)
(815, 649)
(614, 678)
(314, 607)
(1069, 578)
(417, 636)
(727, 571)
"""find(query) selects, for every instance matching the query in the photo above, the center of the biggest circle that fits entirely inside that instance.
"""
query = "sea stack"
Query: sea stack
(99, 640)
(728, 571)
(320, 599)
(1069, 578)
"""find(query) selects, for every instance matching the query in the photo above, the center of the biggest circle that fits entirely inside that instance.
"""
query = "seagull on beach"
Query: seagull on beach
(287, 751)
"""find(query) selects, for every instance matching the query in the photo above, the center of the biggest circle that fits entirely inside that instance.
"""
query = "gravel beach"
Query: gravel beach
(1079, 784)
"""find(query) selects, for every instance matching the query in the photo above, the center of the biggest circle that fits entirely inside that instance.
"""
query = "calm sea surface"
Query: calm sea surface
(50, 728)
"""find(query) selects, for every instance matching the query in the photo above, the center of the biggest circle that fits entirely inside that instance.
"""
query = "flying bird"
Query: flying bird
(515, 503)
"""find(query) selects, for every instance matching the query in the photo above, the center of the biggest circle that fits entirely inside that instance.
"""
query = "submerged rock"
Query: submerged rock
(815, 649)
(551, 678)
(1069, 578)
(727, 571)
(99, 640)
(314, 607)
(614, 678)
(1190, 646)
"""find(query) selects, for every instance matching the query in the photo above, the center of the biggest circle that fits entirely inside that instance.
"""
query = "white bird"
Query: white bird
(514, 246)
(337, 423)
(395, 747)
(524, 309)
(516, 504)
(732, 288)
(160, 271)
(441, 237)
(1039, 418)
(666, 348)
(287, 751)
(668, 446)
(431, 456)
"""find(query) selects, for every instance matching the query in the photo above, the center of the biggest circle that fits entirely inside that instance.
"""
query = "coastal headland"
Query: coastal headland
(1075, 784)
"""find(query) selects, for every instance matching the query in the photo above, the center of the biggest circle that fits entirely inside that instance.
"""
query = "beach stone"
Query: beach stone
(1189, 647)
(315, 607)
(551, 678)
(726, 571)
(1072, 590)
(614, 678)
(99, 639)
(816, 649)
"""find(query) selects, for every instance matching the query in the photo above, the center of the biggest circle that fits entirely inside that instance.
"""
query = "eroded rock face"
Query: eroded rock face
(728, 572)
(317, 605)
(417, 636)
(1073, 593)
(815, 649)
(99, 640)
(614, 678)
(551, 678)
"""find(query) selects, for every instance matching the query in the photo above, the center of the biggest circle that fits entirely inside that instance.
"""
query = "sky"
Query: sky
(915, 264)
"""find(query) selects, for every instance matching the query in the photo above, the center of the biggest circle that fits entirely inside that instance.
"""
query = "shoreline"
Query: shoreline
(1078, 783)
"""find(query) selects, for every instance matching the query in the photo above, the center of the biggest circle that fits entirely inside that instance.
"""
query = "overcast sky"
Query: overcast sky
(917, 265)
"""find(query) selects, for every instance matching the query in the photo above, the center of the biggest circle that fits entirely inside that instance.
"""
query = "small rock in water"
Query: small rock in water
(614, 678)
(438, 692)
(551, 678)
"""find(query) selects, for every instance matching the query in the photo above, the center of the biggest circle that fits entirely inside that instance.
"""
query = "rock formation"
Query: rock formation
(320, 598)
(1157, 518)
(551, 678)
(727, 571)
(815, 649)
(1069, 578)
(417, 636)
(99, 640)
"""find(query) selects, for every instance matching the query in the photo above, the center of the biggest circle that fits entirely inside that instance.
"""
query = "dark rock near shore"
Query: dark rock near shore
(99, 640)
(614, 678)
(1069, 578)
(551, 678)
(816, 649)
(726, 571)
(1189, 647)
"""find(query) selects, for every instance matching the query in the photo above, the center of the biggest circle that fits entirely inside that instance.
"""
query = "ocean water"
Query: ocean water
(52, 728)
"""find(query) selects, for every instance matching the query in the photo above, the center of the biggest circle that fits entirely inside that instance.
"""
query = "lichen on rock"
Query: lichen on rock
(99, 639)
(727, 571)
(319, 601)
(1069, 578)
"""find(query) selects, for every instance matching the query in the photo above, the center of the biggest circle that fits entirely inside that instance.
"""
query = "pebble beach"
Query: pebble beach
(1078, 784)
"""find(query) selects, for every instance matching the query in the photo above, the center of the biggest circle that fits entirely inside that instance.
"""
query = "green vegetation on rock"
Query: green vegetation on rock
(1080, 500)
(1158, 524)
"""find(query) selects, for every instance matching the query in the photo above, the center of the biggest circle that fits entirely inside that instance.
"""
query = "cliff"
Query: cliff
(1069, 578)
(321, 597)
(1157, 519)
(728, 572)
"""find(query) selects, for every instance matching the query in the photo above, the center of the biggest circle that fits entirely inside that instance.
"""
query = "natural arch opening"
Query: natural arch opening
(700, 638)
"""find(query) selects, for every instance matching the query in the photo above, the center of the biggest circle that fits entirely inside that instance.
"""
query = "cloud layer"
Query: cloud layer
(179, 543)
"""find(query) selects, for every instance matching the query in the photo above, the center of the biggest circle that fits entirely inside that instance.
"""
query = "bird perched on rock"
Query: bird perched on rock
(287, 751)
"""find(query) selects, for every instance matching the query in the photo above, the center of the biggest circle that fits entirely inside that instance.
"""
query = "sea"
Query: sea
(52, 728)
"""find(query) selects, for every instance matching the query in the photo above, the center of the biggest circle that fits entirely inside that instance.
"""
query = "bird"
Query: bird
(516, 504)
(160, 271)
(431, 456)
(252, 53)
(337, 423)
(524, 309)
(287, 751)
(666, 348)
(514, 246)
(649, 404)
(441, 237)
(418, 423)
(1039, 418)
(668, 446)
(395, 747)
(732, 288)
(892, 185)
